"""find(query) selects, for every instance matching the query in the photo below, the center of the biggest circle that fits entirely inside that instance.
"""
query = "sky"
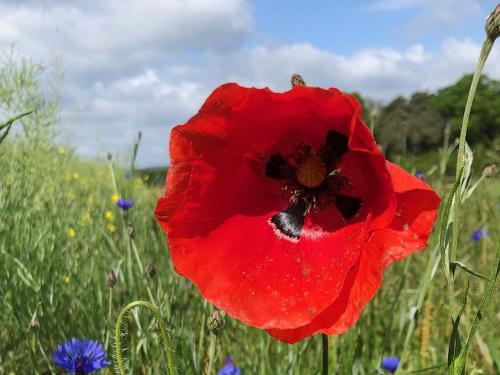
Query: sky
(148, 65)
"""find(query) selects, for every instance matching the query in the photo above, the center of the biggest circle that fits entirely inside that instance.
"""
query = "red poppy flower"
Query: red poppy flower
(284, 213)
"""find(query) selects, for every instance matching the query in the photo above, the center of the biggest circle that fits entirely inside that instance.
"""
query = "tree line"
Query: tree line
(417, 124)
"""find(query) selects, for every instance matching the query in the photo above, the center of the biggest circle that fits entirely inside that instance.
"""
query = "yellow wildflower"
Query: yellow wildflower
(76, 175)
(110, 227)
(71, 232)
(62, 150)
(114, 198)
(86, 218)
(109, 215)
(66, 279)
(145, 178)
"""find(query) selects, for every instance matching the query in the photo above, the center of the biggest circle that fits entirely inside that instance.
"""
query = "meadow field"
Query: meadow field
(71, 259)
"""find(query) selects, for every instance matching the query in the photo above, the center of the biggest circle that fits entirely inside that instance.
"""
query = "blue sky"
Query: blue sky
(347, 26)
(148, 65)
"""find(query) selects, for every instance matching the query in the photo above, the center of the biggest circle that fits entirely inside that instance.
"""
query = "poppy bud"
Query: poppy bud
(151, 270)
(297, 80)
(493, 24)
(215, 322)
(131, 230)
(490, 171)
(34, 325)
(111, 278)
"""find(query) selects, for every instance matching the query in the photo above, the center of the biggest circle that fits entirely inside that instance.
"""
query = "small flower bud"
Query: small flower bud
(297, 80)
(493, 24)
(111, 278)
(490, 171)
(34, 325)
(215, 322)
(151, 270)
(110, 156)
(131, 230)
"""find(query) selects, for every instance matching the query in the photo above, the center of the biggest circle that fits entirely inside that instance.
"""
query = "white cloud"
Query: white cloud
(150, 65)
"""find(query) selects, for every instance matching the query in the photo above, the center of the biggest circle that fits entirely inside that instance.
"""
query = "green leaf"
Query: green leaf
(455, 347)
(459, 362)
(8, 124)
(467, 269)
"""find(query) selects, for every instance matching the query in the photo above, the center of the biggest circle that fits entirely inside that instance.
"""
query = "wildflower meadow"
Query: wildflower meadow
(291, 233)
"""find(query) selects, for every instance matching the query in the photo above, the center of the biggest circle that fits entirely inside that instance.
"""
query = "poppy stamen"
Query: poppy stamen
(312, 172)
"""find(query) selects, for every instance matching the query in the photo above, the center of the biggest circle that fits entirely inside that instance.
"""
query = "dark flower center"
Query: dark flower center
(80, 362)
(312, 182)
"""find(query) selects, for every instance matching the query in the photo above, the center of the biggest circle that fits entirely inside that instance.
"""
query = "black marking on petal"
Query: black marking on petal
(348, 206)
(277, 167)
(289, 222)
(336, 145)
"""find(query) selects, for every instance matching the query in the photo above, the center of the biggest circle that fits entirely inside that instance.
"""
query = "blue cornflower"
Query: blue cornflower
(229, 368)
(447, 127)
(478, 235)
(80, 356)
(128, 175)
(390, 364)
(125, 204)
(420, 175)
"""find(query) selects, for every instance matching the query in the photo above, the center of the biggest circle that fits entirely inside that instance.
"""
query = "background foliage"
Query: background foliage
(60, 233)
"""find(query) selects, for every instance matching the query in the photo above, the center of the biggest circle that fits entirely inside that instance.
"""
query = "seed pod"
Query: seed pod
(151, 270)
(297, 80)
(131, 230)
(493, 24)
(111, 278)
(34, 325)
(215, 322)
(490, 171)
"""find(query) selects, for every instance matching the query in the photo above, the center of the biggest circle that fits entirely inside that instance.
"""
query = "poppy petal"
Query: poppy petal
(253, 249)
(383, 247)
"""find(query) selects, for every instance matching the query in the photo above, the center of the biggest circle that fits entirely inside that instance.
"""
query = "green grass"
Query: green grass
(57, 242)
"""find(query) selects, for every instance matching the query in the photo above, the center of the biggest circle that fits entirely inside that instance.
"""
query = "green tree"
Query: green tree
(484, 121)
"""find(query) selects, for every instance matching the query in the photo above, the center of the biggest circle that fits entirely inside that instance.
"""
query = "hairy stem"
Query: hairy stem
(167, 347)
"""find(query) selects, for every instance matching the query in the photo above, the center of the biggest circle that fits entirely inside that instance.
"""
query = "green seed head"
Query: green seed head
(215, 322)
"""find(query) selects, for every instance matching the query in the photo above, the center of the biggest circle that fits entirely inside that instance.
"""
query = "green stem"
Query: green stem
(137, 257)
(167, 347)
(211, 353)
(200, 338)
(324, 341)
(488, 43)
(110, 313)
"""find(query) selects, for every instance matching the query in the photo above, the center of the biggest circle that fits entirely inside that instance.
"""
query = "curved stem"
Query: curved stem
(167, 347)
(487, 45)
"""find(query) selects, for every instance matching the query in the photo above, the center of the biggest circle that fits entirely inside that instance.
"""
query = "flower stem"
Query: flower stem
(487, 45)
(167, 347)
(211, 353)
(324, 340)
(110, 314)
